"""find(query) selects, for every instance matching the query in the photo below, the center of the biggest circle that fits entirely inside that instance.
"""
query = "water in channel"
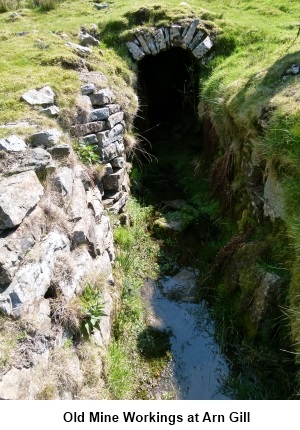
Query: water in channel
(199, 369)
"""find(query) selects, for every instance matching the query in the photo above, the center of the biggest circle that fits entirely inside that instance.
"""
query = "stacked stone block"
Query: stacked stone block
(104, 127)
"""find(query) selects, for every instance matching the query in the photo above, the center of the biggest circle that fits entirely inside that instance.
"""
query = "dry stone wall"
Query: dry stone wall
(101, 123)
(55, 230)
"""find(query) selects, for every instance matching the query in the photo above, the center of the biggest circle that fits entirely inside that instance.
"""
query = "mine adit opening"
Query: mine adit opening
(168, 88)
(167, 123)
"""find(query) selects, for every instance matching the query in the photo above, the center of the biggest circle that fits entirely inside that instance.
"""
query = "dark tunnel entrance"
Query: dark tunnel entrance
(168, 88)
(167, 122)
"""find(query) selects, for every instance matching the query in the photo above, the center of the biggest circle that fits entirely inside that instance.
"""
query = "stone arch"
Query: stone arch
(189, 37)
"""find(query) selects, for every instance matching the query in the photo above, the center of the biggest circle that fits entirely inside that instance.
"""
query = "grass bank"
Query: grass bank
(138, 352)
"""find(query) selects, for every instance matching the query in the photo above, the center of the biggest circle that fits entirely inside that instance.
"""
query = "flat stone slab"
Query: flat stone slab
(88, 89)
(44, 96)
(15, 245)
(101, 6)
(51, 111)
(37, 159)
(12, 144)
(87, 39)
(18, 195)
(80, 49)
(46, 138)
(60, 151)
(164, 223)
(33, 279)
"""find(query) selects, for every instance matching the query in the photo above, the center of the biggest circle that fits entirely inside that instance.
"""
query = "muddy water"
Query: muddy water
(199, 370)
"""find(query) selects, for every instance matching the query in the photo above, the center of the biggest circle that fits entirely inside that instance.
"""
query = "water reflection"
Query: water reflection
(199, 368)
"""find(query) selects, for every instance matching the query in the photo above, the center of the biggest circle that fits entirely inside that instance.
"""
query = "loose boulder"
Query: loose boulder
(44, 96)
(12, 143)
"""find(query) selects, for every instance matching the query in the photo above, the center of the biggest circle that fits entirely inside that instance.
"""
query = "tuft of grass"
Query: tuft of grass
(7, 5)
(45, 5)
(121, 374)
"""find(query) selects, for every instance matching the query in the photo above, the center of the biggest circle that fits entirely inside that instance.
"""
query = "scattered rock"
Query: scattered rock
(80, 49)
(12, 143)
(294, 70)
(101, 6)
(36, 159)
(21, 124)
(63, 181)
(33, 279)
(274, 201)
(46, 138)
(52, 111)
(44, 96)
(18, 195)
(60, 151)
(88, 89)
(22, 33)
(166, 223)
(15, 245)
(265, 299)
(87, 39)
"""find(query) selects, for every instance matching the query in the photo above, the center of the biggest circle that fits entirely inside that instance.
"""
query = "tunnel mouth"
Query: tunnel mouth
(168, 87)
(167, 123)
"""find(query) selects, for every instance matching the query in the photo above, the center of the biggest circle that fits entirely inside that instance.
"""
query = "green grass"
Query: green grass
(131, 362)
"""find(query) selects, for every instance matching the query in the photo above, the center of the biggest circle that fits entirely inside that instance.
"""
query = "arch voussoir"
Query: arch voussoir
(188, 37)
